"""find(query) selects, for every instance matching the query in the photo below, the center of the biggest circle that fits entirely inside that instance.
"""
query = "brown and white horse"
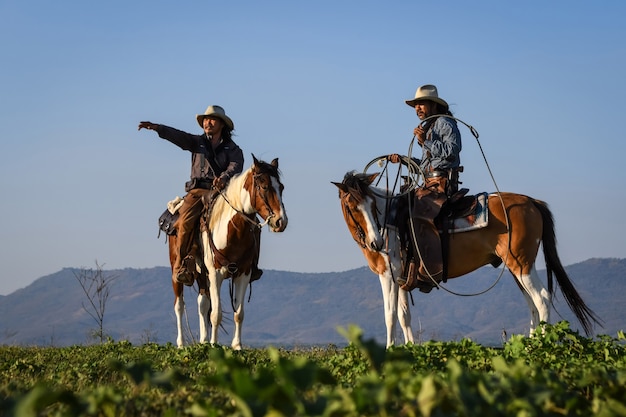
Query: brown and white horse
(512, 236)
(380, 246)
(232, 244)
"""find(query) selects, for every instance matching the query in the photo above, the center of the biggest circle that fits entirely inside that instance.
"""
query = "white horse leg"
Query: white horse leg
(537, 297)
(404, 315)
(204, 304)
(179, 310)
(215, 285)
(390, 298)
(241, 285)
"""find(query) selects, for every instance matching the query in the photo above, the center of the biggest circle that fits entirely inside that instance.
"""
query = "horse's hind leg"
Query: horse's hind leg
(537, 297)
(179, 310)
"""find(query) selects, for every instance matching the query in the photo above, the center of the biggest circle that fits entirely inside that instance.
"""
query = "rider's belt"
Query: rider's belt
(198, 183)
(433, 174)
(206, 184)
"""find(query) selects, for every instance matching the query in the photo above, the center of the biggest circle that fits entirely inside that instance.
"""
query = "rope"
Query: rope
(410, 163)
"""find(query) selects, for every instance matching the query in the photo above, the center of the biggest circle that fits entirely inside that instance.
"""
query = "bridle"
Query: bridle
(360, 232)
(264, 197)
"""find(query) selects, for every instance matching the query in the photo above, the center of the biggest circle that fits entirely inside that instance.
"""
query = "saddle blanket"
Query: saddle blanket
(475, 220)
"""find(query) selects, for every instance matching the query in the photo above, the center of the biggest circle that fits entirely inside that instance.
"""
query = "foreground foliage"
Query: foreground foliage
(555, 373)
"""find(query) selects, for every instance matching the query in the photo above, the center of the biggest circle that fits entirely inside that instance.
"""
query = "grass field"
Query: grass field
(555, 373)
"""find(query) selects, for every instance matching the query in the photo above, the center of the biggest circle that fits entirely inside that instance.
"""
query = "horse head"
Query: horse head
(266, 193)
(358, 204)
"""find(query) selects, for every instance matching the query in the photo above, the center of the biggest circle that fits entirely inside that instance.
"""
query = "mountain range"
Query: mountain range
(291, 309)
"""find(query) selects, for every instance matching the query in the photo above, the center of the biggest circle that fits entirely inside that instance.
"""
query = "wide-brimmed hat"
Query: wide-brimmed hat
(215, 111)
(426, 92)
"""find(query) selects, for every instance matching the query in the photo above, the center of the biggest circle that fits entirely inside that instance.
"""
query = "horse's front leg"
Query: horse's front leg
(213, 303)
(204, 305)
(241, 285)
(215, 286)
(390, 297)
(404, 315)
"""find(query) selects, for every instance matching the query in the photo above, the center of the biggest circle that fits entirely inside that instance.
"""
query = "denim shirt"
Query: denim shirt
(442, 146)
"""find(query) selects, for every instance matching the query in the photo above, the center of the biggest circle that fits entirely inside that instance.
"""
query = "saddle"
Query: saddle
(462, 213)
(459, 213)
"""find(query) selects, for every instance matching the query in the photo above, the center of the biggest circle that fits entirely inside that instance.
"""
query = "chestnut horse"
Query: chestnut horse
(231, 246)
(512, 237)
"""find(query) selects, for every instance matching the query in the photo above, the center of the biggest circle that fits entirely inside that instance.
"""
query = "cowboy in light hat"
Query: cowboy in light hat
(218, 112)
(215, 159)
(440, 140)
(427, 92)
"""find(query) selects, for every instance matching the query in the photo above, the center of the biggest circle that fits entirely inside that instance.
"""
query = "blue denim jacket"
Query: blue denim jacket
(442, 147)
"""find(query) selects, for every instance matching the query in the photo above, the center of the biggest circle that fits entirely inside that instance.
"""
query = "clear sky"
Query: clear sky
(320, 85)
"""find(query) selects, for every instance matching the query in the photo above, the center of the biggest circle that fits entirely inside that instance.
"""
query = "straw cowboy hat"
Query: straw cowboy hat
(215, 111)
(427, 92)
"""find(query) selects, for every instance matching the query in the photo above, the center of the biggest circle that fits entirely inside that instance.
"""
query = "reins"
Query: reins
(254, 220)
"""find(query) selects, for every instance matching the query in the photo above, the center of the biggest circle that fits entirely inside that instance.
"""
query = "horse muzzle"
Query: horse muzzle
(278, 224)
(376, 245)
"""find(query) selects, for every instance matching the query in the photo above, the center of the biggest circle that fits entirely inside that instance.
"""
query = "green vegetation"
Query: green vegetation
(555, 373)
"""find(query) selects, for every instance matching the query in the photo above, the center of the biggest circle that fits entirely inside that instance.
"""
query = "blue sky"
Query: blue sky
(320, 85)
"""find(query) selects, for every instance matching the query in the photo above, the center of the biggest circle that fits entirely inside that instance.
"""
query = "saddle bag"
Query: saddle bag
(169, 217)
(166, 223)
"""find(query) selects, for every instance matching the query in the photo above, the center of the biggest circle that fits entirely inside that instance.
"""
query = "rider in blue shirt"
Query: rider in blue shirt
(440, 140)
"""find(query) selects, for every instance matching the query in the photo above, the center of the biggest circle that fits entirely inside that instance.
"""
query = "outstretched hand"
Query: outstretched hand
(147, 125)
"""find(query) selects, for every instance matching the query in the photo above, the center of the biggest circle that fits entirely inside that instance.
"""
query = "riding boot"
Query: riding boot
(187, 230)
(427, 206)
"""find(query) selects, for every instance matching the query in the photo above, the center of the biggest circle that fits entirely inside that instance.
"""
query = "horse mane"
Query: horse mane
(232, 192)
(357, 184)
(267, 168)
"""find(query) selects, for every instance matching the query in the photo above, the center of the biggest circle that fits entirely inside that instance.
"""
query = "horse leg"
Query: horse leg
(204, 305)
(179, 310)
(400, 296)
(390, 299)
(215, 285)
(404, 314)
(537, 297)
(241, 285)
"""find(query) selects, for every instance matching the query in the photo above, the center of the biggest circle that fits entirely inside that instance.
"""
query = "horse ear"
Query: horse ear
(343, 187)
(372, 177)
(256, 161)
(274, 163)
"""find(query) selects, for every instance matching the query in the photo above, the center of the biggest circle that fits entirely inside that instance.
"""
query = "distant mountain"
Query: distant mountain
(300, 309)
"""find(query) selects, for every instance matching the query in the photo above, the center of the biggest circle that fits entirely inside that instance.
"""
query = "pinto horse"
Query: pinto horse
(517, 225)
(229, 240)
(380, 246)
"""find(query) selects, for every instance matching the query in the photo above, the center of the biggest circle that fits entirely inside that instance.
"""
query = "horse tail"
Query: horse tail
(554, 267)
